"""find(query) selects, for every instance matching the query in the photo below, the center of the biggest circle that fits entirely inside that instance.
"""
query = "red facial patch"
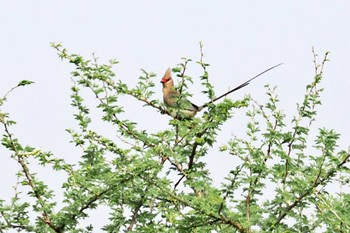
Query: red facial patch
(164, 80)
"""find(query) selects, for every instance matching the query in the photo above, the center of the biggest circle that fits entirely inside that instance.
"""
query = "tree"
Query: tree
(158, 182)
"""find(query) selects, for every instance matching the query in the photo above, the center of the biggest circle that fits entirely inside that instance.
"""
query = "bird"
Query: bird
(181, 108)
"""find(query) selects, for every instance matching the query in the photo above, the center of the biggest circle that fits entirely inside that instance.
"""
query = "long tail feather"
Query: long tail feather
(240, 86)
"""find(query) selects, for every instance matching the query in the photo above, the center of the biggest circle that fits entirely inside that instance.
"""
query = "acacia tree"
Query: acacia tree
(136, 174)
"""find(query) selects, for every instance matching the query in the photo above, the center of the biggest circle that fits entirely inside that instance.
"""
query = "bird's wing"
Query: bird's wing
(181, 103)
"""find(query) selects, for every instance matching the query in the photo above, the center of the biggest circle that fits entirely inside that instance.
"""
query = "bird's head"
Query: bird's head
(167, 81)
(167, 76)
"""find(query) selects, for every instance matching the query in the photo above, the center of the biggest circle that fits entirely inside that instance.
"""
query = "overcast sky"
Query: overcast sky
(241, 38)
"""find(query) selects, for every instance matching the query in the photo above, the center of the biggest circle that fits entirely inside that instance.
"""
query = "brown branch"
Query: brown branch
(74, 216)
(192, 156)
(320, 169)
(179, 168)
(45, 216)
(269, 146)
(177, 141)
(217, 218)
(135, 214)
(290, 144)
(308, 192)
(120, 122)
(9, 224)
(182, 75)
(229, 189)
(252, 184)
(150, 103)
(318, 72)
(202, 55)
(179, 181)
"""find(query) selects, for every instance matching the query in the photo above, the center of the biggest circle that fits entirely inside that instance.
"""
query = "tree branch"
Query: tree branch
(308, 192)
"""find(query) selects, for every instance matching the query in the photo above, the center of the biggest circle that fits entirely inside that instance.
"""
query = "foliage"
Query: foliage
(158, 182)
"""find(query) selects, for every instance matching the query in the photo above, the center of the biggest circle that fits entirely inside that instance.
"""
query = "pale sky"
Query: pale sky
(241, 39)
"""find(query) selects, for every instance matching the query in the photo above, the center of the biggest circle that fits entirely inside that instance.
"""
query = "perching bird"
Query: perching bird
(171, 99)
(183, 108)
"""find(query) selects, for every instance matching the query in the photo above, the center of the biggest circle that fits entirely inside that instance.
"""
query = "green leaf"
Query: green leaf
(24, 83)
